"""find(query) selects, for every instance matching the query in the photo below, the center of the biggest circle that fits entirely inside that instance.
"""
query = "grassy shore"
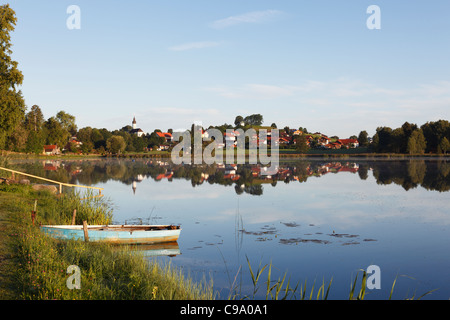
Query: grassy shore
(286, 153)
(34, 266)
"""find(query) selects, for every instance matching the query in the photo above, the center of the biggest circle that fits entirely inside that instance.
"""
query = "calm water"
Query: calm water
(314, 220)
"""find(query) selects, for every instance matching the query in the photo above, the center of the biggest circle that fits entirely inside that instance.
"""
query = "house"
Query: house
(349, 143)
(73, 141)
(230, 138)
(162, 148)
(166, 135)
(334, 145)
(284, 141)
(323, 140)
(51, 150)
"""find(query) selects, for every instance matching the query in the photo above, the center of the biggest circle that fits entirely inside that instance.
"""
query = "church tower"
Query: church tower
(134, 123)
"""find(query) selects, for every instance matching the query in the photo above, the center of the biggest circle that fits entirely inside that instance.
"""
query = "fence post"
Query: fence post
(85, 229)
(73, 216)
(33, 213)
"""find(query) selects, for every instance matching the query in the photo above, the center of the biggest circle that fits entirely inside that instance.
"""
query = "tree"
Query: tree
(116, 144)
(363, 138)
(382, 140)
(34, 124)
(12, 104)
(397, 141)
(34, 119)
(18, 139)
(434, 132)
(416, 142)
(238, 120)
(35, 142)
(254, 120)
(67, 122)
(56, 134)
(444, 146)
(301, 144)
(304, 130)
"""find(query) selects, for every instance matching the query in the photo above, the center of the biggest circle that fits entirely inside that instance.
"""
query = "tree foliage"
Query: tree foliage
(12, 104)
(116, 144)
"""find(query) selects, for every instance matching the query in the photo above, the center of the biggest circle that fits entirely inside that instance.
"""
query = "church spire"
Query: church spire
(134, 123)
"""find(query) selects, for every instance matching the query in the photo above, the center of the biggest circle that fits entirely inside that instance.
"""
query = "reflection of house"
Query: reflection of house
(167, 175)
(51, 165)
(51, 150)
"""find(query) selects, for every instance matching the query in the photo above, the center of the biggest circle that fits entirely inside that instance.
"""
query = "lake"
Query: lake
(314, 220)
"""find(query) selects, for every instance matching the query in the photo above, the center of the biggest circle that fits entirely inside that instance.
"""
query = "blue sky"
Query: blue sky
(313, 64)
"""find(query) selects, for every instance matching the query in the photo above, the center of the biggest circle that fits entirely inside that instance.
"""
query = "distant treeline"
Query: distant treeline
(431, 137)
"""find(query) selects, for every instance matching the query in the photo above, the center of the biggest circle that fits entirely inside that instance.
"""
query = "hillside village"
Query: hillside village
(287, 139)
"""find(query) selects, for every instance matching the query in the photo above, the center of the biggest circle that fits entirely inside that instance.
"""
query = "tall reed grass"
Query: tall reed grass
(282, 288)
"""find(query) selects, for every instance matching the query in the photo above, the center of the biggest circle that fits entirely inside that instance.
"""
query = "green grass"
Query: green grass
(37, 267)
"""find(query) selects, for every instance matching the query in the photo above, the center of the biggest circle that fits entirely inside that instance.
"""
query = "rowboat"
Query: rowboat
(117, 234)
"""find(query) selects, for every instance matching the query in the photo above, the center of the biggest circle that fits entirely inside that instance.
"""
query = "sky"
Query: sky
(312, 64)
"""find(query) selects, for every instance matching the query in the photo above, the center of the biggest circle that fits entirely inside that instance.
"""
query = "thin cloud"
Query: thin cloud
(250, 17)
(194, 45)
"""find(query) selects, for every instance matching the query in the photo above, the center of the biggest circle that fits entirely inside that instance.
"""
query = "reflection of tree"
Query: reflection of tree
(363, 171)
(432, 175)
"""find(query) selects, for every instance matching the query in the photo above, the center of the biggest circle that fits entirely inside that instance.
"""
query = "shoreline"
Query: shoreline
(282, 155)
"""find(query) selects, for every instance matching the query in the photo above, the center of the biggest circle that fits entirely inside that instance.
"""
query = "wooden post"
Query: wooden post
(85, 229)
(33, 213)
(73, 216)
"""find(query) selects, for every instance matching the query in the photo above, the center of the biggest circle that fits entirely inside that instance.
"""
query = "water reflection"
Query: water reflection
(313, 218)
(432, 175)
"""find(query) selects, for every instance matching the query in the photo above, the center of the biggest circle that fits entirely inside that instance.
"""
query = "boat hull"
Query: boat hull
(123, 234)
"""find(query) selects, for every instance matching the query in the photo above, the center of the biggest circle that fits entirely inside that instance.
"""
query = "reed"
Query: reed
(281, 288)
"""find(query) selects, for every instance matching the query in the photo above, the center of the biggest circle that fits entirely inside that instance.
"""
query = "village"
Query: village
(287, 139)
